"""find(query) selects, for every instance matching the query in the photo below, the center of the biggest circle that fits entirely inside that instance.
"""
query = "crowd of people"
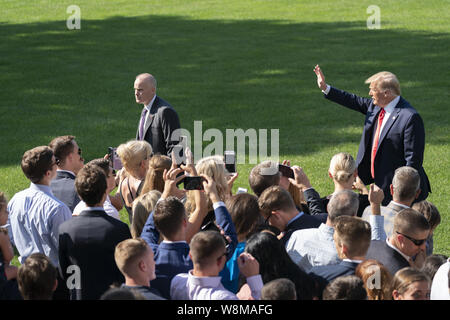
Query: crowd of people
(283, 242)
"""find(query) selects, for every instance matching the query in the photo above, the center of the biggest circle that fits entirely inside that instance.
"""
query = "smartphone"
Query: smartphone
(230, 161)
(286, 171)
(211, 226)
(114, 159)
(193, 183)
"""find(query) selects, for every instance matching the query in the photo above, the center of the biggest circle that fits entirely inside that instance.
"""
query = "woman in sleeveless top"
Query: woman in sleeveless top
(7, 272)
(135, 156)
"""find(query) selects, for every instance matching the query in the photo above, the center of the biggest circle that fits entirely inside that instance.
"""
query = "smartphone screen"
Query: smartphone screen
(286, 171)
(114, 159)
(230, 161)
(193, 183)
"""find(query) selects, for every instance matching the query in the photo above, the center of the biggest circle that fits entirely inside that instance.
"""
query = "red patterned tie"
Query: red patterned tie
(375, 141)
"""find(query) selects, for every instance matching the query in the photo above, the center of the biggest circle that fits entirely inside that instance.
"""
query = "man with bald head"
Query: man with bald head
(158, 118)
(393, 135)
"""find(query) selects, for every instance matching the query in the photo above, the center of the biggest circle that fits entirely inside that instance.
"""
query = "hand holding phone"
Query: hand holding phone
(230, 161)
(286, 171)
(193, 183)
(114, 159)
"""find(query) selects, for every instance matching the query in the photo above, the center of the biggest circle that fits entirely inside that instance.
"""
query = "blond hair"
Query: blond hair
(133, 153)
(385, 80)
(128, 253)
(342, 167)
(213, 167)
(142, 206)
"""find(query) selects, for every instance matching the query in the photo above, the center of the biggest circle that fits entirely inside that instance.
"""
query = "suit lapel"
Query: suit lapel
(151, 115)
(392, 118)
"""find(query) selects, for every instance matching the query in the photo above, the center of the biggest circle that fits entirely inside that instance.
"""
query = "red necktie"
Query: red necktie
(375, 141)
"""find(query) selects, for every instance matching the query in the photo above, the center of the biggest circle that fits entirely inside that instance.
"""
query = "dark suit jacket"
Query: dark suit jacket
(63, 188)
(325, 274)
(158, 130)
(89, 241)
(304, 222)
(402, 141)
(390, 258)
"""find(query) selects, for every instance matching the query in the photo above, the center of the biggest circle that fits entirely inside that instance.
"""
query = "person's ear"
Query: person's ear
(396, 295)
(329, 174)
(142, 266)
(344, 250)
(391, 187)
(418, 193)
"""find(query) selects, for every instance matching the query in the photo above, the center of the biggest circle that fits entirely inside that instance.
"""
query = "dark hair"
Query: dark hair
(259, 182)
(91, 184)
(429, 211)
(62, 146)
(274, 263)
(244, 211)
(168, 216)
(36, 162)
(279, 289)
(204, 245)
(275, 198)
(432, 264)
(102, 163)
(345, 288)
(36, 277)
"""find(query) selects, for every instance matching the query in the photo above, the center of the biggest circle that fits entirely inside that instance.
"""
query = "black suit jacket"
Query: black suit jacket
(390, 258)
(88, 241)
(63, 188)
(402, 141)
(304, 222)
(160, 126)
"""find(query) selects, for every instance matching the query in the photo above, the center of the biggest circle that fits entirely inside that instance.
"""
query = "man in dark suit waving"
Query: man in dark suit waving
(158, 119)
(393, 136)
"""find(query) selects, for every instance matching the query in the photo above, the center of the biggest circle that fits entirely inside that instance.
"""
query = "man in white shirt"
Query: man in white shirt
(405, 188)
(69, 162)
(208, 254)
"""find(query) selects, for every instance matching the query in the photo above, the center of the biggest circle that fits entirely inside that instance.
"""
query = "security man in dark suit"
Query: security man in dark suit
(69, 161)
(158, 119)
(87, 242)
(393, 136)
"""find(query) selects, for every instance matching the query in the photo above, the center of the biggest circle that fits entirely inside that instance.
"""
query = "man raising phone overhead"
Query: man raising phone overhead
(393, 135)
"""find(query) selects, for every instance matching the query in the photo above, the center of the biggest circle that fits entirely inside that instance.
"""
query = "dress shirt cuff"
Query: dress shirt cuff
(218, 204)
(377, 225)
(327, 90)
(256, 284)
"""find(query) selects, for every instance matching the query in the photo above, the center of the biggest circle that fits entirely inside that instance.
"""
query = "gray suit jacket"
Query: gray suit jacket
(388, 213)
(162, 121)
(63, 188)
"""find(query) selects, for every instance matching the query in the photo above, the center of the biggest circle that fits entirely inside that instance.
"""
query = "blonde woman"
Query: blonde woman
(343, 171)
(213, 167)
(135, 156)
(142, 206)
(411, 284)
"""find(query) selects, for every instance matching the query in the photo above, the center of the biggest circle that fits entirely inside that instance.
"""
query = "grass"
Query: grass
(231, 64)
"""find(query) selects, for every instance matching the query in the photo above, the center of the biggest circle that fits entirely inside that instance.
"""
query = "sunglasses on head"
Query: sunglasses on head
(415, 241)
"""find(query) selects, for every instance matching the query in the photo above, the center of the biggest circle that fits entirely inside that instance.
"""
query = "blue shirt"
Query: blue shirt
(230, 274)
(34, 218)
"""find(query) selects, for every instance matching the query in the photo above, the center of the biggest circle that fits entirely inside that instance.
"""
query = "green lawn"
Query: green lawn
(231, 64)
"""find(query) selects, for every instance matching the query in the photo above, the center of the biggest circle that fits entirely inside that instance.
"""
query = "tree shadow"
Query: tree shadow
(229, 74)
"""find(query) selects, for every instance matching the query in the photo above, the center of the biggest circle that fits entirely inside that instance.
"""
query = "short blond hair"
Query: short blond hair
(342, 167)
(128, 253)
(385, 80)
(133, 153)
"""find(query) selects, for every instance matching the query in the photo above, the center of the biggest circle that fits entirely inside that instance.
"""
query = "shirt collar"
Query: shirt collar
(211, 282)
(68, 171)
(94, 209)
(391, 246)
(296, 217)
(353, 261)
(327, 230)
(399, 204)
(391, 105)
(148, 107)
(167, 241)
(42, 187)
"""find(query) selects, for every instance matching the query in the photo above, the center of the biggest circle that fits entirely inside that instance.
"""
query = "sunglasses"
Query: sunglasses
(415, 241)
(79, 151)
(266, 221)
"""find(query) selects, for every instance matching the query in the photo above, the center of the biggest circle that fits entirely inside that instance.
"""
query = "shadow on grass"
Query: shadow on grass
(229, 74)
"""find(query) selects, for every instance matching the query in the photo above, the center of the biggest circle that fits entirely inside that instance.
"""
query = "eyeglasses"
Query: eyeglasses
(415, 241)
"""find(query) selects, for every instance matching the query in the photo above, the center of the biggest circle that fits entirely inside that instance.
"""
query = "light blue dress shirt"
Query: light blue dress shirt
(34, 219)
